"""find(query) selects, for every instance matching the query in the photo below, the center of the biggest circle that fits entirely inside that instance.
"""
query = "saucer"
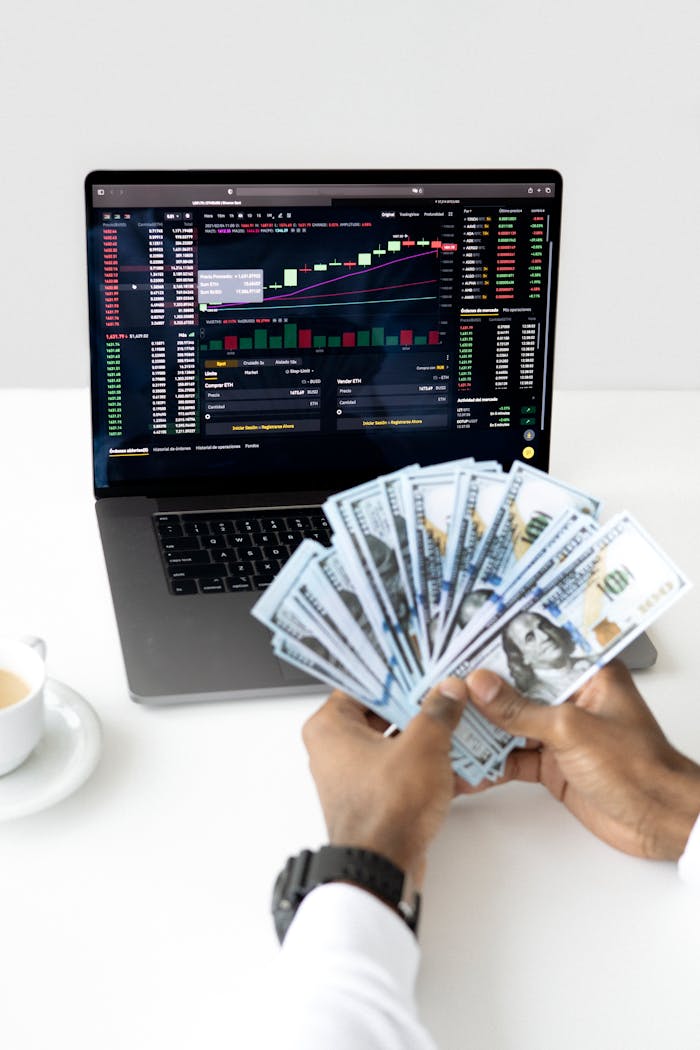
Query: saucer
(62, 760)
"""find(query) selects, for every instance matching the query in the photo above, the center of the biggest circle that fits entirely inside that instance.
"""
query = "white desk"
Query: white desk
(134, 915)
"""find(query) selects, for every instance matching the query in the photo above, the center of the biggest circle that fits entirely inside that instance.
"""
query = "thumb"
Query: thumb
(509, 709)
(438, 717)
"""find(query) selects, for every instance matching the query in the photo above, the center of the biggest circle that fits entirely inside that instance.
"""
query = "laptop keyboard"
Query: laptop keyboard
(216, 553)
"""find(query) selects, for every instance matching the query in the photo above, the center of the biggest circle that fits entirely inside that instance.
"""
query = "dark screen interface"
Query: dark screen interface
(244, 331)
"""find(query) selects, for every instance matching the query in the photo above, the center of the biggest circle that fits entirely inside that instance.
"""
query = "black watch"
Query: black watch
(362, 867)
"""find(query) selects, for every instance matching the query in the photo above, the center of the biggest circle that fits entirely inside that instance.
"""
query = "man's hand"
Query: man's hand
(605, 757)
(387, 794)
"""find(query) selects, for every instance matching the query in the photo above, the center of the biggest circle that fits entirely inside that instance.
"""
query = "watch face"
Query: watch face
(283, 920)
(282, 910)
(277, 890)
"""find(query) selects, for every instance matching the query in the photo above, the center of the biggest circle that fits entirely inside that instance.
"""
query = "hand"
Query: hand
(386, 794)
(605, 757)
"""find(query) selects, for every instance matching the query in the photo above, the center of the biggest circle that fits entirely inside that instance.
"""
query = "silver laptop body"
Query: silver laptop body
(262, 339)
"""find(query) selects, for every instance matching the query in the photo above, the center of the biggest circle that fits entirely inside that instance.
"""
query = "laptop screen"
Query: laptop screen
(263, 331)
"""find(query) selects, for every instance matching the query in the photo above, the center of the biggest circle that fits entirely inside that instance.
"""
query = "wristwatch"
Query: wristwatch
(362, 867)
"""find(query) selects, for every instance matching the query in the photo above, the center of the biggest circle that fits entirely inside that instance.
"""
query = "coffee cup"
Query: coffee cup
(22, 679)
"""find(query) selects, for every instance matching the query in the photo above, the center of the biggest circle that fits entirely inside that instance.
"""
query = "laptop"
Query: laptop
(262, 339)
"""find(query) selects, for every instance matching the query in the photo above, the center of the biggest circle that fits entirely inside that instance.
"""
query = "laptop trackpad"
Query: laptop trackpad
(293, 676)
(639, 654)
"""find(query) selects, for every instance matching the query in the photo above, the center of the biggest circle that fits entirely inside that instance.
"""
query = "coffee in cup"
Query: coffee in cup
(22, 679)
(12, 688)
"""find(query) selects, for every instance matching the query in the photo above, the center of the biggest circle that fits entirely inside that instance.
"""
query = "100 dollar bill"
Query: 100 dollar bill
(549, 644)
(530, 505)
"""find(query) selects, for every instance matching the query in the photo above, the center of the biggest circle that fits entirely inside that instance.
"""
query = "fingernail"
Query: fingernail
(484, 685)
(453, 688)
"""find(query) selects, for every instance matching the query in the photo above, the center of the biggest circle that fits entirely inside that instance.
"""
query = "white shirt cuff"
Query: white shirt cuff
(346, 975)
(339, 917)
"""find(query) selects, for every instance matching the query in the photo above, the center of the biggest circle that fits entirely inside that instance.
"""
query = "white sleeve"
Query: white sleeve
(345, 976)
(689, 863)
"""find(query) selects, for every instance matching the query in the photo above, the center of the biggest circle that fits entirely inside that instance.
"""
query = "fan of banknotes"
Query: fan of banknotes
(439, 570)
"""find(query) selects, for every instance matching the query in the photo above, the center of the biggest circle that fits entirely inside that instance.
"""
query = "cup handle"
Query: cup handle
(36, 643)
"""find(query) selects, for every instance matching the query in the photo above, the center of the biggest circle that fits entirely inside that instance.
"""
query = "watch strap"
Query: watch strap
(364, 868)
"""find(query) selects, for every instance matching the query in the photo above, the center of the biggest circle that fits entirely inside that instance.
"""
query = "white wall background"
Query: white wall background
(607, 92)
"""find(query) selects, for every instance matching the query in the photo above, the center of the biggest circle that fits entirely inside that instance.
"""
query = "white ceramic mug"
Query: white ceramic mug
(22, 723)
